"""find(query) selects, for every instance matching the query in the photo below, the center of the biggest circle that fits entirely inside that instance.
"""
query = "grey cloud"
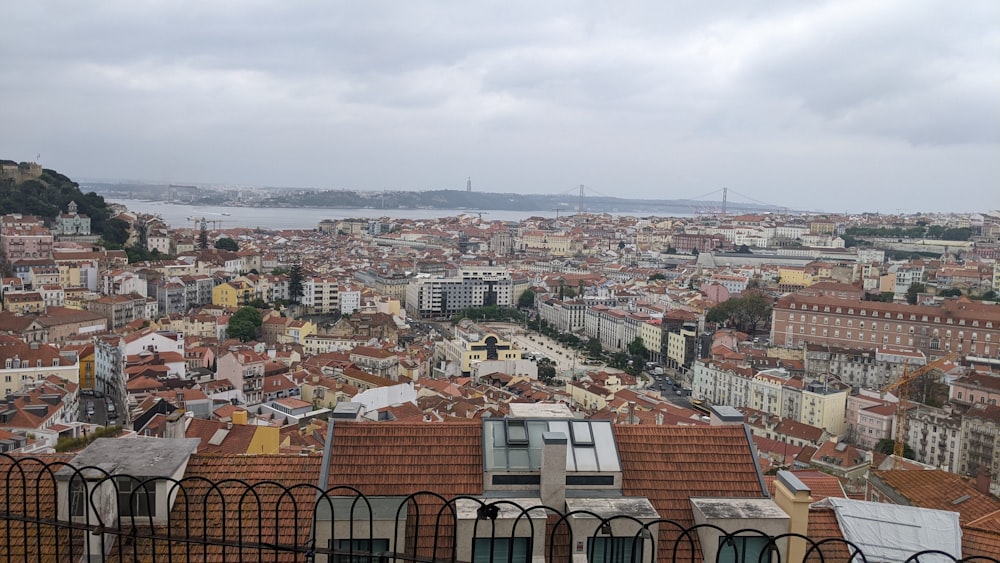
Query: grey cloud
(635, 98)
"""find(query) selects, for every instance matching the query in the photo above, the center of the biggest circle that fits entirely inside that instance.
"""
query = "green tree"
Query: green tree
(526, 300)
(887, 446)
(227, 243)
(657, 276)
(914, 291)
(950, 292)
(637, 348)
(203, 236)
(546, 371)
(594, 348)
(295, 289)
(244, 324)
(116, 231)
(745, 313)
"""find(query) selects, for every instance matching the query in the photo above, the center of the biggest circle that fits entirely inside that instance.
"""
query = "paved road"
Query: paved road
(562, 356)
(100, 416)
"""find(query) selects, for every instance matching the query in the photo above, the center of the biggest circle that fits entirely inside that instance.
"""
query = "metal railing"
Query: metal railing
(55, 512)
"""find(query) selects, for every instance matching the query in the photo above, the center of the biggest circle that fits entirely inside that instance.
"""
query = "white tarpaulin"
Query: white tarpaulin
(892, 532)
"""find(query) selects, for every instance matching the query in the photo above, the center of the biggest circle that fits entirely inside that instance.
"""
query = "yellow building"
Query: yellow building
(23, 302)
(765, 392)
(266, 440)
(473, 343)
(589, 395)
(680, 349)
(232, 294)
(794, 275)
(651, 334)
(69, 274)
(86, 360)
(556, 244)
(824, 408)
(297, 331)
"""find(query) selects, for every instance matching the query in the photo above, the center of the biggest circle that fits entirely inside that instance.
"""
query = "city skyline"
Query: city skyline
(830, 106)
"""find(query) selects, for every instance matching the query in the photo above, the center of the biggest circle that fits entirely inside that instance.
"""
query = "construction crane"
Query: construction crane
(902, 385)
(216, 224)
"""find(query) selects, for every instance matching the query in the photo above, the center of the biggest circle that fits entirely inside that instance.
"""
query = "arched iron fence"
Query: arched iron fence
(55, 512)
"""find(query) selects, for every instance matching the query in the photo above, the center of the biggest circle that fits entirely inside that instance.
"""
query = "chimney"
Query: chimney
(239, 417)
(983, 479)
(724, 415)
(793, 496)
(176, 427)
(553, 473)
(631, 413)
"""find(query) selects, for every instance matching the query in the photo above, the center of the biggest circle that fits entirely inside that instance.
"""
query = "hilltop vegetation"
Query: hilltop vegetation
(49, 195)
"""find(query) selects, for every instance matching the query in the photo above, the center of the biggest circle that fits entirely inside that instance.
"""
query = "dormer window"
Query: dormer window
(134, 498)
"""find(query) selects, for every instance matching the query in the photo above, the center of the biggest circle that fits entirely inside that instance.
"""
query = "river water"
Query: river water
(180, 216)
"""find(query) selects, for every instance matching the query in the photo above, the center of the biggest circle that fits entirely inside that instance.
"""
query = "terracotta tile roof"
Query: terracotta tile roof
(939, 490)
(820, 484)
(286, 518)
(981, 537)
(236, 441)
(21, 495)
(670, 464)
(399, 459)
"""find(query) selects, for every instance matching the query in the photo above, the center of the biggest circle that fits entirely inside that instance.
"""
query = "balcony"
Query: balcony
(45, 519)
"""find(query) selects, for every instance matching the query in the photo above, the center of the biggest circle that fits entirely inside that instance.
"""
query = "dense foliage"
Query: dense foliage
(50, 194)
(937, 232)
(244, 324)
(489, 313)
(226, 243)
(745, 313)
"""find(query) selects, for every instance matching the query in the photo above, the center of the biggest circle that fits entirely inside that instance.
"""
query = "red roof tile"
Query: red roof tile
(670, 464)
(940, 490)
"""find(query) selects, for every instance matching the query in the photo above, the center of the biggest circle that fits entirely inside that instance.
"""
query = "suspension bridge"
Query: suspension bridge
(716, 202)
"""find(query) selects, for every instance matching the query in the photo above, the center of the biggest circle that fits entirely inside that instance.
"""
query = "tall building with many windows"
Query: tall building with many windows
(957, 325)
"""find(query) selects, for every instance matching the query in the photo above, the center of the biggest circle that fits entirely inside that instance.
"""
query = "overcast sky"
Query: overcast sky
(843, 105)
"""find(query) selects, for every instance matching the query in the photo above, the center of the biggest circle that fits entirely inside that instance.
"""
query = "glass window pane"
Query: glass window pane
(604, 443)
(581, 433)
(613, 550)
(586, 459)
(518, 458)
(498, 550)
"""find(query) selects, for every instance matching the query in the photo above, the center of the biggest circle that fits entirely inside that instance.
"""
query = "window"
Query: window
(77, 498)
(365, 548)
(485, 550)
(142, 503)
(613, 550)
(743, 549)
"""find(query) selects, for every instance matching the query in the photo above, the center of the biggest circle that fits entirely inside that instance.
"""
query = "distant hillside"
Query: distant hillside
(47, 193)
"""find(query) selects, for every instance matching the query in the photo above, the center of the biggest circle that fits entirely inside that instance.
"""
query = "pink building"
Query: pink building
(870, 418)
